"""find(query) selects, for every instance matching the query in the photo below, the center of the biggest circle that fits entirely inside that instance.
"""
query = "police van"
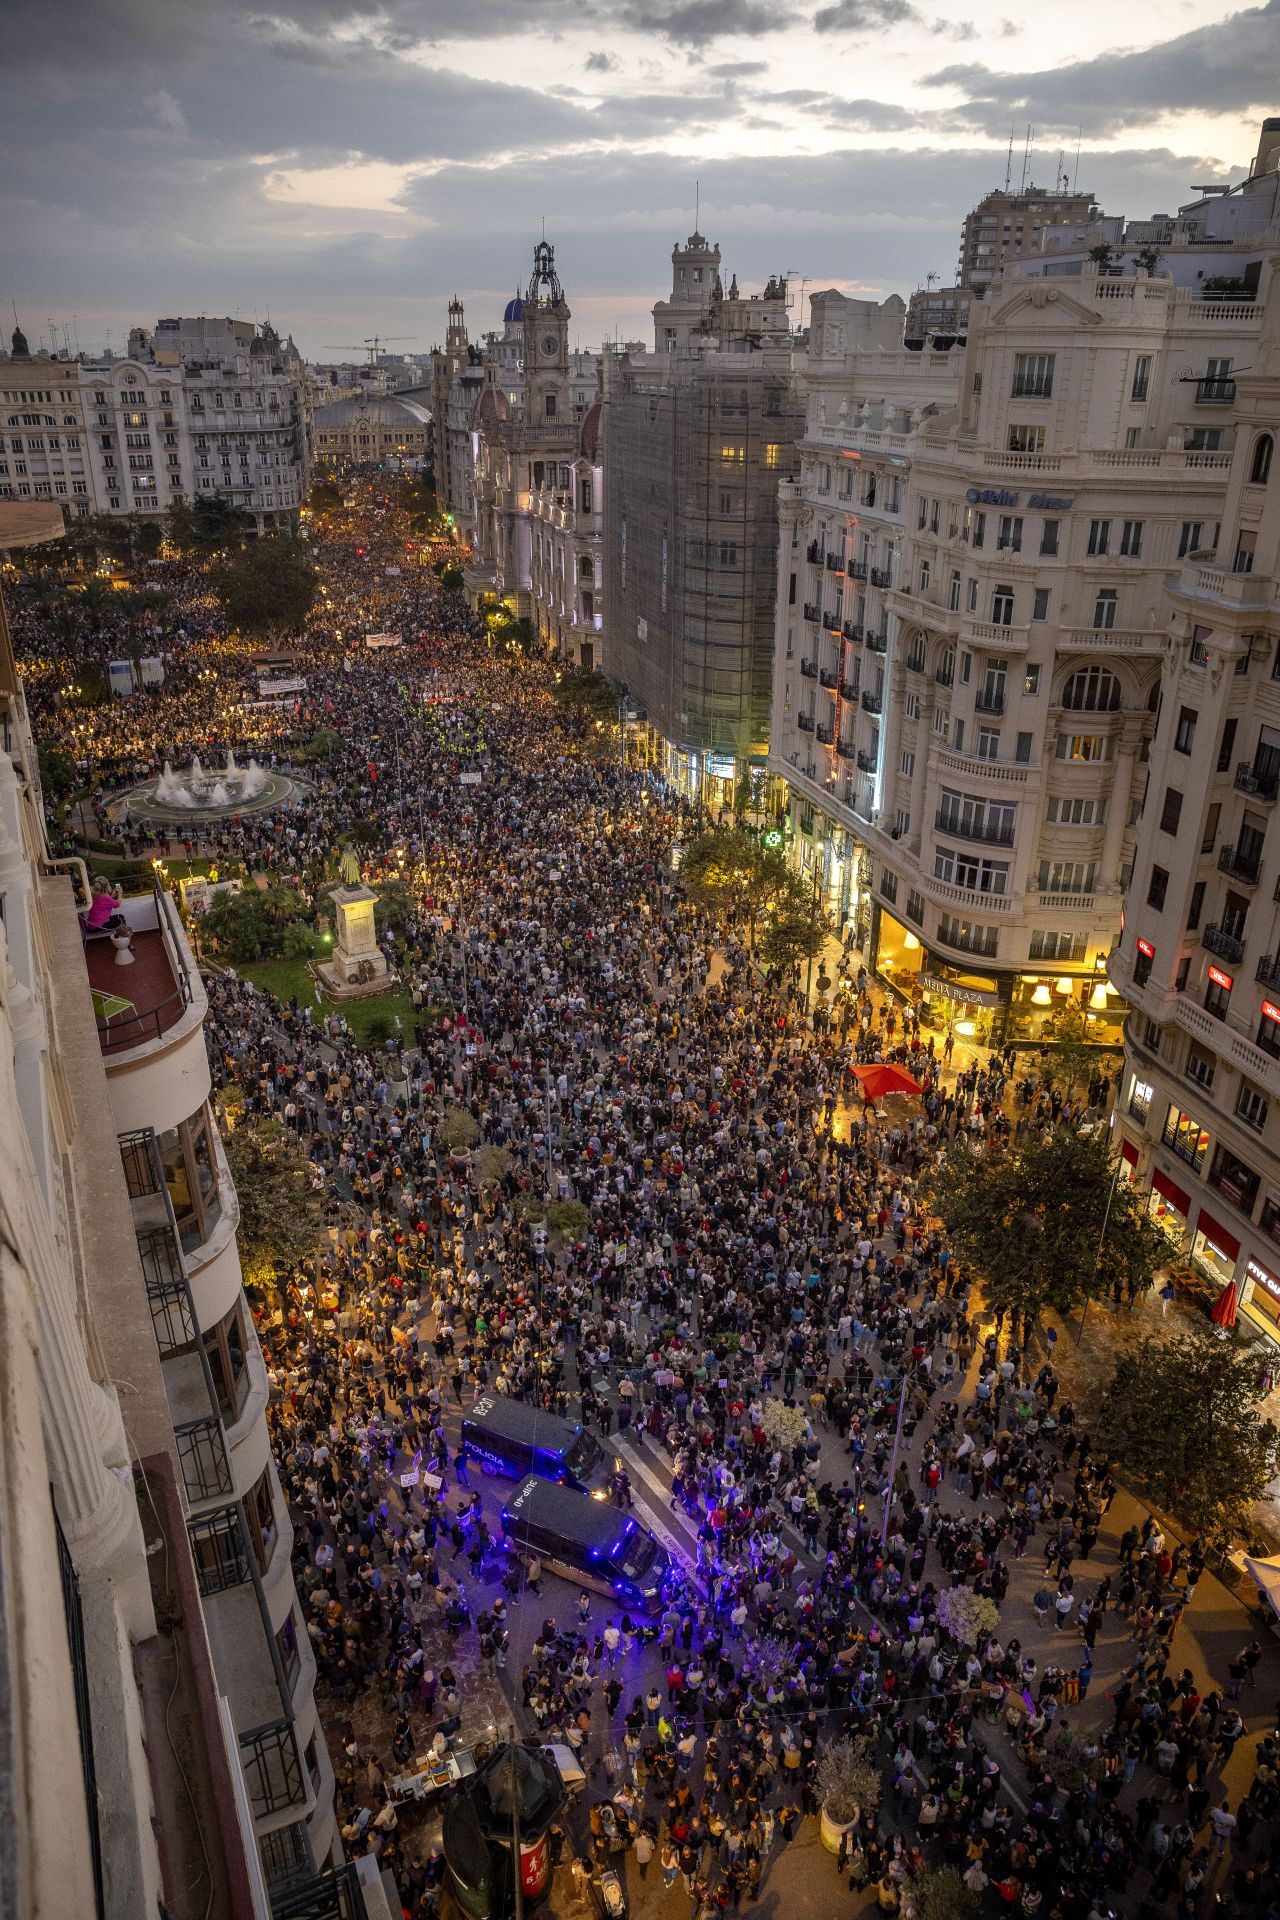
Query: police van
(589, 1541)
(513, 1438)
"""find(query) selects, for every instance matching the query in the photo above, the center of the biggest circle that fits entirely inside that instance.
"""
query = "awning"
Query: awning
(1226, 1243)
(1128, 1153)
(1267, 1575)
(1171, 1191)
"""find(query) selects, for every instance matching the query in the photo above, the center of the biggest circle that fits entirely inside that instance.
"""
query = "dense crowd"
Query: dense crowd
(755, 1296)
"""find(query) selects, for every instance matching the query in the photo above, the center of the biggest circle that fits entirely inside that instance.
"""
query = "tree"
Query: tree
(58, 775)
(1031, 1219)
(397, 904)
(584, 691)
(847, 1779)
(730, 872)
(1101, 256)
(280, 1208)
(458, 1129)
(268, 587)
(209, 524)
(938, 1893)
(1183, 1417)
(798, 927)
(784, 1427)
(1148, 258)
(967, 1616)
(1072, 1061)
(325, 495)
(256, 925)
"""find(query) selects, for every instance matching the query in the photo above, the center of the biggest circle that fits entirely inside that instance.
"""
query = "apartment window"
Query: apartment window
(1104, 610)
(1083, 747)
(1260, 467)
(1157, 888)
(1010, 536)
(1151, 1036)
(1099, 536)
(1204, 440)
(1171, 811)
(1066, 876)
(1032, 376)
(1200, 1068)
(1251, 1106)
(1092, 690)
(1022, 748)
(1184, 738)
(1268, 1034)
(1025, 439)
(259, 1509)
(1040, 604)
(217, 1548)
(889, 886)
(1143, 956)
(1189, 540)
(728, 553)
(1049, 536)
(1140, 1093)
(1131, 539)
(225, 1346)
(907, 765)
(1196, 908)
(1141, 377)
(1227, 747)
(901, 822)
(1031, 680)
(1245, 547)
(915, 907)
(979, 530)
(968, 937)
(734, 456)
(187, 1155)
(287, 1646)
(1186, 1137)
(1002, 606)
(1047, 944)
(911, 705)
(1217, 992)
(1075, 810)
(915, 654)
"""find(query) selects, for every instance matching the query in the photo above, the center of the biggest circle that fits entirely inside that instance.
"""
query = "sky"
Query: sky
(346, 167)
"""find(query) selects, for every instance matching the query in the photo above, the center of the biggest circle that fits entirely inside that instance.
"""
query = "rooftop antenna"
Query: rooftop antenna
(697, 203)
(1026, 155)
(1008, 165)
(1062, 172)
(53, 337)
(1076, 175)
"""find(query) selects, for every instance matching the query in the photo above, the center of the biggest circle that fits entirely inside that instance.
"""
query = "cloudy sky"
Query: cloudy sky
(347, 166)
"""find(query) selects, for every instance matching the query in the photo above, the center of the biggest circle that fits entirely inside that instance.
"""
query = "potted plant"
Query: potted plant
(848, 1784)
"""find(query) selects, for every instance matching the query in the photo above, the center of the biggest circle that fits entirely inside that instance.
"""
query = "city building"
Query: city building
(43, 443)
(378, 430)
(992, 769)
(698, 435)
(457, 376)
(1005, 224)
(567, 572)
(1198, 1118)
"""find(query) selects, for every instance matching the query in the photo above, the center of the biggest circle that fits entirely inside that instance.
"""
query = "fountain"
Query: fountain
(210, 791)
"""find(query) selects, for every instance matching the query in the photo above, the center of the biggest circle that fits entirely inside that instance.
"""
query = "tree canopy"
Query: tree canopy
(1031, 1220)
(584, 691)
(254, 925)
(208, 524)
(1183, 1417)
(268, 587)
(280, 1209)
(731, 873)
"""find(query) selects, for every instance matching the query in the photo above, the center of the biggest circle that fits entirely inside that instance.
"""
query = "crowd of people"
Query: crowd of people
(747, 1287)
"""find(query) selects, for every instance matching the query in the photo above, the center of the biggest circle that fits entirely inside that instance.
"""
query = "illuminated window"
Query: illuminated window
(771, 453)
(732, 456)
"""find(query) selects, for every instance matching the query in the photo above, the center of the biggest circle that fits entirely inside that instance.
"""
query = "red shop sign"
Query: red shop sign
(1220, 979)
(1145, 947)
(1270, 1011)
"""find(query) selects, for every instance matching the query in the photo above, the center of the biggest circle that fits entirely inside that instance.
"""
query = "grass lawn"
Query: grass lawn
(285, 978)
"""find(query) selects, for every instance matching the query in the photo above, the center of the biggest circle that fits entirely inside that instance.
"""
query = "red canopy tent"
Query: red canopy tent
(878, 1080)
(1223, 1310)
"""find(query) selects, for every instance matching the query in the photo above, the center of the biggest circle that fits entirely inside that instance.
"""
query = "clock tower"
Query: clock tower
(546, 341)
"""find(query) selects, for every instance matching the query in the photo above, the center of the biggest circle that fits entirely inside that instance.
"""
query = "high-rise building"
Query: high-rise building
(698, 435)
(1198, 959)
(1005, 224)
(1006, 678)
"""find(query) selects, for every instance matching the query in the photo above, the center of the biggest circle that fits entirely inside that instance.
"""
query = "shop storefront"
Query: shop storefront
(1214, 1248)
(1169, 1205)
(1042, 1004)
(897, 954)
(1260, 1295)
(1128, 1162)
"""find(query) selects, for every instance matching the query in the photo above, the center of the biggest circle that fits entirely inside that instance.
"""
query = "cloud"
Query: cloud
(600, 63)
(695, 23)
(864, 16)
(167, 111)
(1231, 66)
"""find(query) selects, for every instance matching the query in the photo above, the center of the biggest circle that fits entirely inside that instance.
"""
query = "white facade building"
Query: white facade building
(1198, 959)
(1007, 673)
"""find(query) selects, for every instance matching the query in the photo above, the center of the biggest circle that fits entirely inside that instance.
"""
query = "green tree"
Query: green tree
(1071, 1061)
(1183, 1417)
(280, 1208)
(324, 496)
(58, 774)
(584, 691)
(797, 927)
(397, 904)
(209, 524)
(257, 925)
(267, 588)
(1031, 1220)
(938, 1893)
(731, 873)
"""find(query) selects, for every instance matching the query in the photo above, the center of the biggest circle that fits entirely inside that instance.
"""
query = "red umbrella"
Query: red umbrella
(1223, 1310)
(877, 1080)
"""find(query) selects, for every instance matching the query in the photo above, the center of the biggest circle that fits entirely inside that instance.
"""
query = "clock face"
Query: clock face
(549, 345)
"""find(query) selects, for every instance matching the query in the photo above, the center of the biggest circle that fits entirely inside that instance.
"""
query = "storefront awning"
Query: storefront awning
(1226, 1243)
(1128, 1153)
(1171, 1191)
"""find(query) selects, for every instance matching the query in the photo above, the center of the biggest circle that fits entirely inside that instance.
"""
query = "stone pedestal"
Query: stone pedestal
(357, 964)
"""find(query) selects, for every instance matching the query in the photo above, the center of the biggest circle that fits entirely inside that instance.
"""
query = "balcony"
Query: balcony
(866, 762)
(809, 668)
(828, 678)
(853, 630)
(815, 552)
(141, 1002)
(806, 722)
(857, 569)
(872, 702)
(878, 642)
(831, 621)
(846, 750)
(825, 734)
(834, 563)
(1258, 784)
(849, 689)
(986, 701)
(1245, 867)
(1227, 945)
(1000, 836)
(1267, 971)
(880, 577)
(1215, 393)
(811, 612)
(945, 678)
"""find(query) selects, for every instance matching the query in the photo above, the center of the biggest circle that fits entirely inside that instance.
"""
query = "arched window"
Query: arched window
(1260, 471)
(586, 567)
(1092, 690)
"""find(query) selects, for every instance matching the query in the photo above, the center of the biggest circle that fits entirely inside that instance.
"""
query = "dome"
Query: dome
(515, 310)
(374, 410)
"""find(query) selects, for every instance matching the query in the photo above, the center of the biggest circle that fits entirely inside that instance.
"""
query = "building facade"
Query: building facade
(698, 435)
(43, 442)
(567, 572)
(1022, 637)
(1198, 958)
(371, 430)
(1005, 224)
